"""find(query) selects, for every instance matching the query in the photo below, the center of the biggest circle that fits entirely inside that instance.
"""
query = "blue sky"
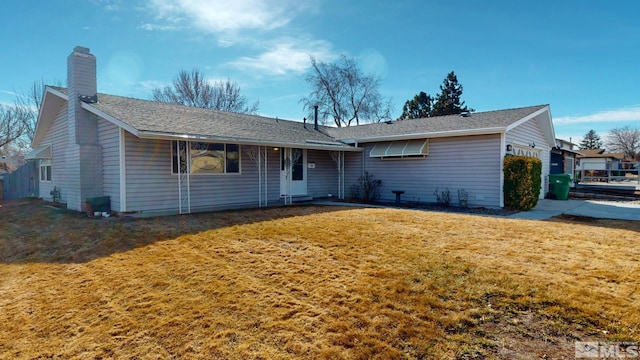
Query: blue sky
(581, 57)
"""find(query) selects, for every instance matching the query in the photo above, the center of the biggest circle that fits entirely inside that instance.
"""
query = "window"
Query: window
(298, 165)
(45, 170)
(208, 158)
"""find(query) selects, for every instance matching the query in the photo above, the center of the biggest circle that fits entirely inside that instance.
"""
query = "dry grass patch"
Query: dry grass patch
(312, 282)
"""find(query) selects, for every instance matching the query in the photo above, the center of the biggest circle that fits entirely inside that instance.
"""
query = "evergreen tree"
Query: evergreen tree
(591, 140)
(418, 107)
(448, 101)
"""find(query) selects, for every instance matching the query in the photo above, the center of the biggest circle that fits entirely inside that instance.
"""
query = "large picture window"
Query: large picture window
(209, 158)
(45, 170)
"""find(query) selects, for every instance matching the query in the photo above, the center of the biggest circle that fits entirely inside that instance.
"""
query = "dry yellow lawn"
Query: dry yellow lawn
(312, 282)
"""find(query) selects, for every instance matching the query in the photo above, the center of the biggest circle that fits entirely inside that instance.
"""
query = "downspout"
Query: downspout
(362, 159)
(189, 177)
(259, 176)
(503, 149)
(290, 175)
(123, 170)
(266, 187)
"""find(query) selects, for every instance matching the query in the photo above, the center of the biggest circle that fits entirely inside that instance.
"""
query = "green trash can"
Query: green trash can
(559, 186)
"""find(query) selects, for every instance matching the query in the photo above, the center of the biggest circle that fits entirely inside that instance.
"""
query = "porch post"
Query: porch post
(290, 174)
(259, 176)
(184, 181)
(342, 174)
(266, 188)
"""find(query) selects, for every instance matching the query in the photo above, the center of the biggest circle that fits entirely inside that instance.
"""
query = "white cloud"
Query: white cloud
(161, 27)
(152, 84)
(254, 24)
(227, 15)
(286, 56)
(617, 115)
(13, 93)
(108, 5)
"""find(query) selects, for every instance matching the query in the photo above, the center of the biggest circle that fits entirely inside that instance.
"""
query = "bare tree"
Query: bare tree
(625, 140)
(13, 124)
(193, 89)
(342, 92)
(30, 101)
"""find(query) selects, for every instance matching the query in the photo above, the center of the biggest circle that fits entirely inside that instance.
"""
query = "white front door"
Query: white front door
(293, 171)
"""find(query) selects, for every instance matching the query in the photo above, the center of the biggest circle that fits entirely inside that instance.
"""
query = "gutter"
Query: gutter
(311, 144)
(437, 134)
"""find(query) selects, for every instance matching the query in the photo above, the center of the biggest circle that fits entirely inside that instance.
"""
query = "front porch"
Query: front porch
(295, 174)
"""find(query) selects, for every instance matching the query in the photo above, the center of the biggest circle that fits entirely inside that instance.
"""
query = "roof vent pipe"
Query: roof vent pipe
(315, 117)
(304, 122)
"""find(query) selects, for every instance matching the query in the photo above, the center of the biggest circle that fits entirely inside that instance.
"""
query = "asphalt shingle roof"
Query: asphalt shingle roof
(474, 121)
(171, 119)
(599, 153)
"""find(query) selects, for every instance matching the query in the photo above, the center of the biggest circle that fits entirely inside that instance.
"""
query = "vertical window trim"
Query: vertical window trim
(45, 170)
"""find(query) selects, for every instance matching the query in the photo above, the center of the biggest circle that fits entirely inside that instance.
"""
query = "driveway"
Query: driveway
(596, 209)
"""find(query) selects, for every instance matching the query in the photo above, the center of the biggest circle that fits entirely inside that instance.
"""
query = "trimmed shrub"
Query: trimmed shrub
(522, 183)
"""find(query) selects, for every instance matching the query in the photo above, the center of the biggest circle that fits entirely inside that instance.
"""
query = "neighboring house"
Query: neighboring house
(597, 165)
(158, 158)
(563, 158)
(9, 163)
(4, 168)
(598, 159)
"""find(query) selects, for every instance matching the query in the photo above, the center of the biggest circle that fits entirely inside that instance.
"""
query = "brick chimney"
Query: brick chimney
(84, 155)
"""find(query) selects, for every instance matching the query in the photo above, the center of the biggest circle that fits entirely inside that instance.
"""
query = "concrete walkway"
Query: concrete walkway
(549, 208)
(596, 209)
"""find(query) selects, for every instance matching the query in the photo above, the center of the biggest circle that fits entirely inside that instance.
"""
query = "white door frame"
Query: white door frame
(288, 186)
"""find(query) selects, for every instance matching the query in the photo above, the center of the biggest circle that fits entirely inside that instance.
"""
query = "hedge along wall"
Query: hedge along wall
(521, 182)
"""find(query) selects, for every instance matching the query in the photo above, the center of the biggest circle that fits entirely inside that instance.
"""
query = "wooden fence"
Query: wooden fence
(24, 182)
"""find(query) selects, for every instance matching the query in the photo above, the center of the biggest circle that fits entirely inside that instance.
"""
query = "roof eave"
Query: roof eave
(435, 134)
(546, 125)
(244, 141)
(570, 151)
(46, 113)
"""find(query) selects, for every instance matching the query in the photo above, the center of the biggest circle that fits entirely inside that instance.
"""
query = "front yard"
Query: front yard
(312, 282)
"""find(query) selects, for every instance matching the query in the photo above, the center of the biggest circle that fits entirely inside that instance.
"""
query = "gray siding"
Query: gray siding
(323, 179)
(353, 169)
(58, 136)
(528, 133)
(471, 163)
(152, 188)
(108, 139)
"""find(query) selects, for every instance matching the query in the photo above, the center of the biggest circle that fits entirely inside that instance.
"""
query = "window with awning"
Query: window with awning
(402, 149)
